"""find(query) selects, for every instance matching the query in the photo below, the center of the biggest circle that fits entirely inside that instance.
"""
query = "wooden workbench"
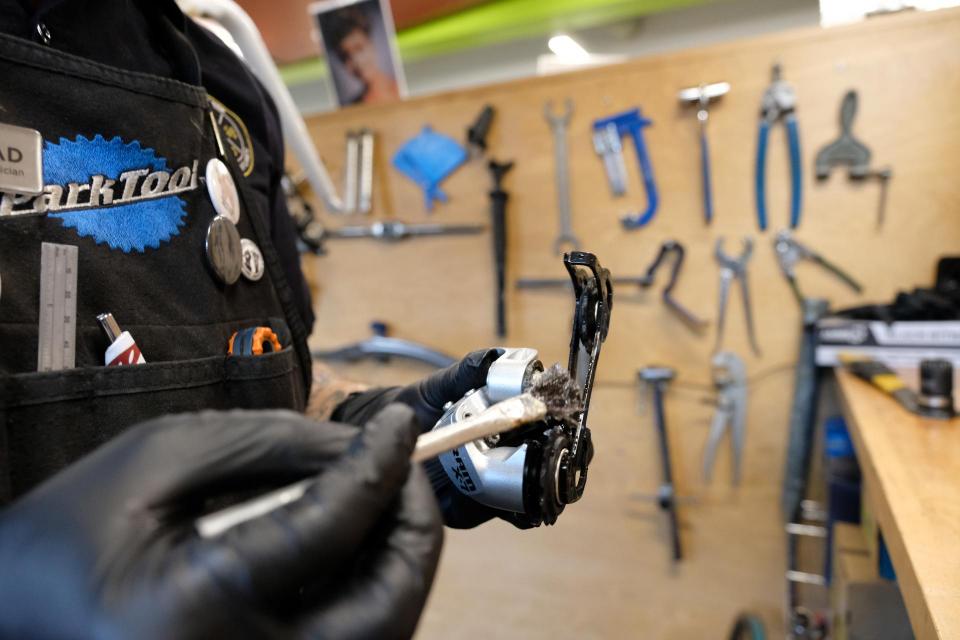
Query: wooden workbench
(911, 472)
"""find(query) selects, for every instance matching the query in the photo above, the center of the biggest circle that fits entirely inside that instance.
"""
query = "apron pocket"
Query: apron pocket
(54, 418)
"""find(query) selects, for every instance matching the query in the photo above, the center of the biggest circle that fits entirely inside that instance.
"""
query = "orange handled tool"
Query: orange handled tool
(254, 341)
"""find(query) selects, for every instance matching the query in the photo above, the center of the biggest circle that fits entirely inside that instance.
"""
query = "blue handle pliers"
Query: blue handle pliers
(779, 101)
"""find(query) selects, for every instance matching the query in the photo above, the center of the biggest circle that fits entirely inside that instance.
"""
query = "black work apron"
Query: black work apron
(124, 159)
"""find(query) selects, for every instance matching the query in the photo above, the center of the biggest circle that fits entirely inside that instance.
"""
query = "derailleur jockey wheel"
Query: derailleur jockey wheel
(533, 472)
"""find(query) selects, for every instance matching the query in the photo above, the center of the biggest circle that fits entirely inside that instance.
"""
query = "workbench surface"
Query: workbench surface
(911, 469)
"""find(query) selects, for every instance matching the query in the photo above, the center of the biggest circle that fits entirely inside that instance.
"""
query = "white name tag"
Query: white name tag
(21, 160)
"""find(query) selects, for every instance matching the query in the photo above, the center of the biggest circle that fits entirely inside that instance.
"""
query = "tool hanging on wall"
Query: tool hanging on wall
(381, 347)
(558, 126)
(478, 131)
(365, 195)
(313, 234)
(674, 248)
(393, 230)
(657, 379)
(668, 248)
(358, 172)
(778, 104)
(730, 381)
(498, 220)
(700, 96)
(790, 252)
(428, 158)
(847, 151)
(607, 141)
(734, 269)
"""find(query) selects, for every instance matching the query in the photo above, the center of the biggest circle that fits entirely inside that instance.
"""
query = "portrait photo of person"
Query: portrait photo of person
(358, 40)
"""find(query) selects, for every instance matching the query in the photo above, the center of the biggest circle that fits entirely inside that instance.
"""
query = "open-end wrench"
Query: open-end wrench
(558, 125)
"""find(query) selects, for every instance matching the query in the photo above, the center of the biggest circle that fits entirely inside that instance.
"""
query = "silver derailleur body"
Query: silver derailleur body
(535, 471)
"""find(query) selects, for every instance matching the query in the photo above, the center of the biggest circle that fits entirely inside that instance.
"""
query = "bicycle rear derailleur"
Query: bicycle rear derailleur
(530, 474)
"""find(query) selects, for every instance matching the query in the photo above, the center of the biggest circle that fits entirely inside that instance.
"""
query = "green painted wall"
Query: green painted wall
(500, 21)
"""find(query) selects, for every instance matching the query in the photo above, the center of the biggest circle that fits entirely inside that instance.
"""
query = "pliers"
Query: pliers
(790, 252)
(778, 103)
(730, 381)
(734, 269)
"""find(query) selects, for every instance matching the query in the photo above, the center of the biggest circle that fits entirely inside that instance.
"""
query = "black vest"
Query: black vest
(111, 138)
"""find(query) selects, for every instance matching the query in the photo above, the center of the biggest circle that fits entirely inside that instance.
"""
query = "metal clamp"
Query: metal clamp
(630, 123)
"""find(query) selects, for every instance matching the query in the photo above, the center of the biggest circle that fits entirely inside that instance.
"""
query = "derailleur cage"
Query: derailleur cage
(534, 472)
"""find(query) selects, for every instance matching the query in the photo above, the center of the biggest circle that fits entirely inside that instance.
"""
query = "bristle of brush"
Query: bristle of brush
(561, 393)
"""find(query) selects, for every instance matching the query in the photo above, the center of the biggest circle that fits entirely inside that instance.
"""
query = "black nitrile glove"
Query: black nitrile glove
(107, 548)
(426, 397)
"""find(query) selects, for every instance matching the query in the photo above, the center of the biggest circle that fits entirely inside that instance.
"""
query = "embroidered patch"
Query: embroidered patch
(236, 135)
(117, 193)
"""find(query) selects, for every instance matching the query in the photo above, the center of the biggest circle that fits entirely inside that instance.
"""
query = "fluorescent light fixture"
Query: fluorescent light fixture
(568, 50)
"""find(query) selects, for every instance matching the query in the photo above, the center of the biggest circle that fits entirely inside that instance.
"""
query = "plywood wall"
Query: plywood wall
(603, 570)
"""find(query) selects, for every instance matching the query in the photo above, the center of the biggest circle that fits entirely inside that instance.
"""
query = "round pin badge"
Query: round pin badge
(223, 249)
(252, 265)
(222, 190)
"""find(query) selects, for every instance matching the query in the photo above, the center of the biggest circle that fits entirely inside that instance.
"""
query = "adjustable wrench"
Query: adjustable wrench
(558, 125)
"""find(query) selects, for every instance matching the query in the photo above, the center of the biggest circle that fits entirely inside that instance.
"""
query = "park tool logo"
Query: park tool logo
(115, 192)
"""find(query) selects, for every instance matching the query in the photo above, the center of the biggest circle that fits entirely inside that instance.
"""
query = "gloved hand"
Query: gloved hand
(107, 548)
(426, 397)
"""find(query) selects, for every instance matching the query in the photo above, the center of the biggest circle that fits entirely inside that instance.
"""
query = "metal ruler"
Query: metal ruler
(56, 347)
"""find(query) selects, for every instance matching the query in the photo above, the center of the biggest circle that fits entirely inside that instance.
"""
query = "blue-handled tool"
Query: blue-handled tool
(701, 96)
(629, 123)
(779, 101)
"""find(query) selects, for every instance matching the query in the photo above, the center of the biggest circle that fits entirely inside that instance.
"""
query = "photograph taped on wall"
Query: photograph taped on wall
(359, 41)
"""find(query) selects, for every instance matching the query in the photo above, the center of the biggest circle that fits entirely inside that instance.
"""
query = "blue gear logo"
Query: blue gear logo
(117, 193)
